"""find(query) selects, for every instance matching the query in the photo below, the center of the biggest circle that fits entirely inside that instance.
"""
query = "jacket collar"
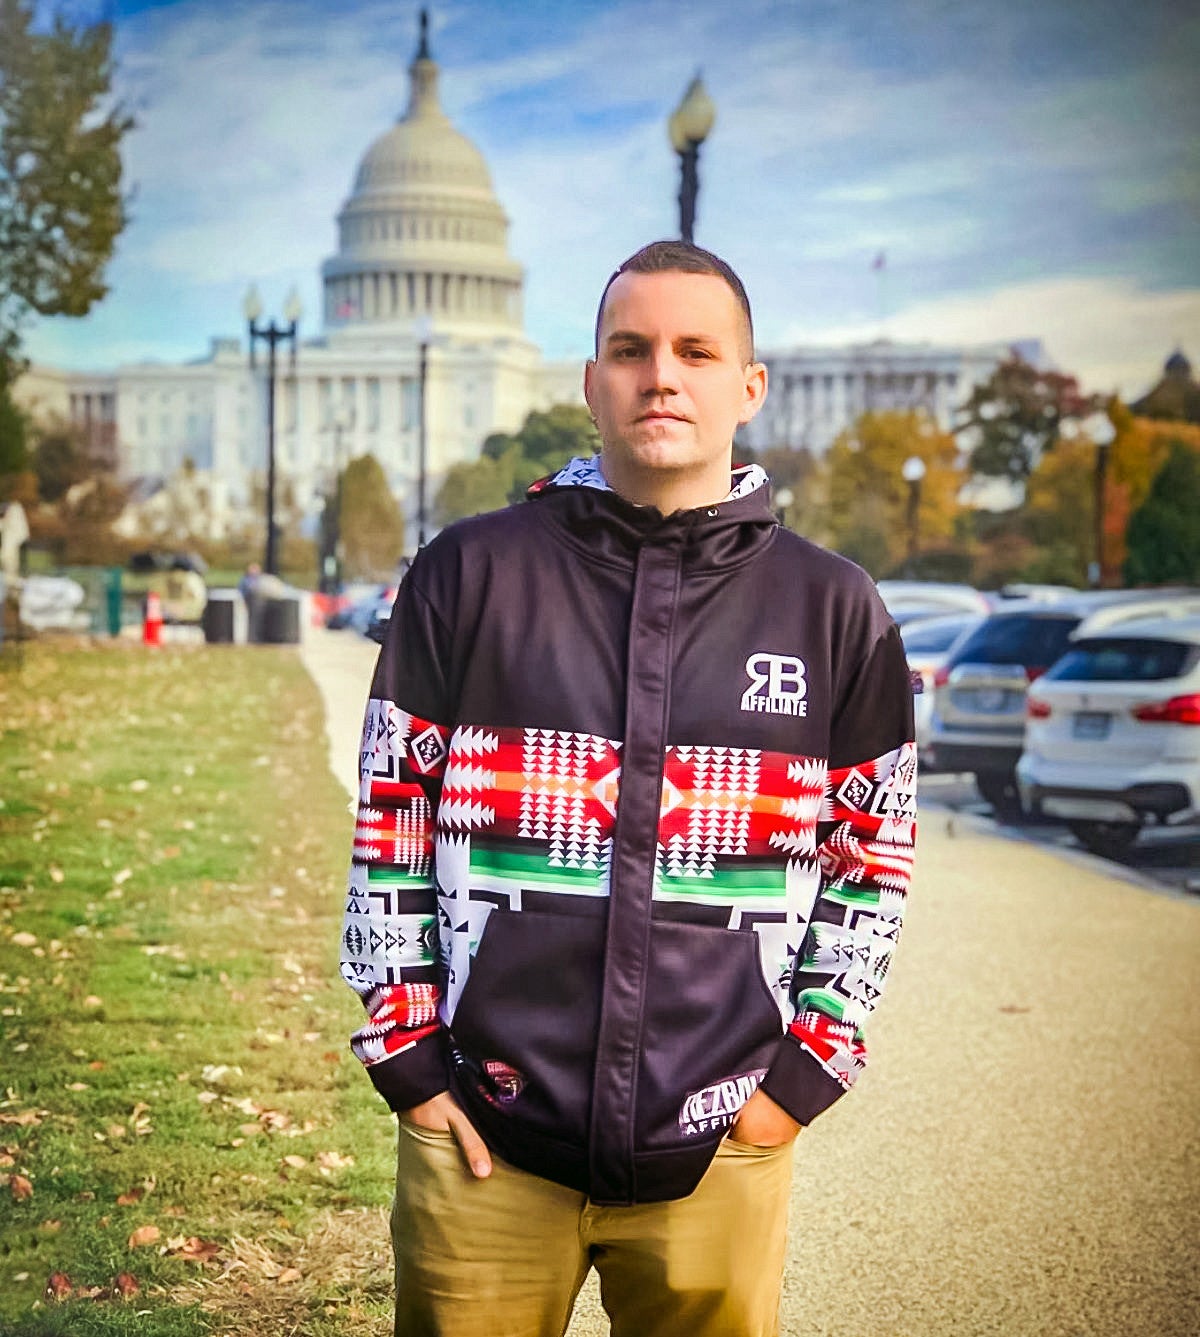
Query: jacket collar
(578, 502)
(585, 471)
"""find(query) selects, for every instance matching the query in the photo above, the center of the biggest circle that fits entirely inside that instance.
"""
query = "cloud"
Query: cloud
(983, 151)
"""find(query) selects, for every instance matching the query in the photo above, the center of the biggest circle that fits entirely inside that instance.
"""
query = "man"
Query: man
(634, 837)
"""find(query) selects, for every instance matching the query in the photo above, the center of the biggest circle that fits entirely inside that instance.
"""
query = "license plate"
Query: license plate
(1091, 725)
(991, 699)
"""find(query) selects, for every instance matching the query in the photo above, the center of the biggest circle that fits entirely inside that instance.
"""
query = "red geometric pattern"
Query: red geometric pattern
(399, 1016)
(739, 803)
(835, 1044)
(555, 787)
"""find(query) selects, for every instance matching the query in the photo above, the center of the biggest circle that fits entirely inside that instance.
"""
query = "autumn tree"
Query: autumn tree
(1060, 513)
(868, 497)
(1164, 532)
(61, 206)
(371, 522)
(1015, 416)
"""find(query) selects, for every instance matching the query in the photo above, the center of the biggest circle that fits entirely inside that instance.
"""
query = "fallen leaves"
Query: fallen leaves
(26, 1118)
(60, 1287)
(143, 1236)
(24, 939)
(193, 1248)
(20, 1187)
(137, 1193)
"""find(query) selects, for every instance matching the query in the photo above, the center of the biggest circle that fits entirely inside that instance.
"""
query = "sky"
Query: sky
(1028, 169)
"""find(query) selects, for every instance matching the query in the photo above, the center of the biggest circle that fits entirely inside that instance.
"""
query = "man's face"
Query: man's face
(671, 380)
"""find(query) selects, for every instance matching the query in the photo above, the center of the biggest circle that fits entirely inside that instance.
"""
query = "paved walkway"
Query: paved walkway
(1023, 1154)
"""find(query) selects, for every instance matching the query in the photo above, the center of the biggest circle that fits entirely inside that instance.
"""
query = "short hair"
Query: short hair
(681, 257)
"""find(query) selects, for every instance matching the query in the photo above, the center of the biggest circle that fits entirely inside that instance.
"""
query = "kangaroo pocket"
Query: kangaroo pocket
(527, 1019)
(711, 1029)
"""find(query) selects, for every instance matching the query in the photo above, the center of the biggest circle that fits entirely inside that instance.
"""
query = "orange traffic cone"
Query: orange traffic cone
(152, 623)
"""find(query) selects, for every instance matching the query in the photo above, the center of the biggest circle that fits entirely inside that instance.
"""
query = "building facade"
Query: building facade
(815, 393)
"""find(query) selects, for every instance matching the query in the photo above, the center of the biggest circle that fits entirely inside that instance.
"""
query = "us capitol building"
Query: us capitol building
(423, 257)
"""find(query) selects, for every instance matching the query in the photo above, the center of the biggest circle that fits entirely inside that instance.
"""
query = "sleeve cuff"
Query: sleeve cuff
(414, 1076)
(798, 1083)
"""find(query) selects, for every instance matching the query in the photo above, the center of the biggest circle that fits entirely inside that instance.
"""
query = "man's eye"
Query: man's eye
(630, 351)
(697, 354)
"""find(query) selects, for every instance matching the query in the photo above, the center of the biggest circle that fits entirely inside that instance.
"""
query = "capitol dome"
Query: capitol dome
(422, 233)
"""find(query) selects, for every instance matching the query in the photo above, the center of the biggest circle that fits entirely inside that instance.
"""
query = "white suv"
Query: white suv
(1112, 739)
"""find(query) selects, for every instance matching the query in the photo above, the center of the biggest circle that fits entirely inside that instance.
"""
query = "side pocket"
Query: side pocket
(711, 1030)
(527, 1019)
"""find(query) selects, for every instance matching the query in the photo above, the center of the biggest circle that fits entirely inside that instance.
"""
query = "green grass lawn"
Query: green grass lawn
(180, 1117)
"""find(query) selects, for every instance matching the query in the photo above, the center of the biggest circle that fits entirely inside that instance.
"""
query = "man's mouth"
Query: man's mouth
(662, 415)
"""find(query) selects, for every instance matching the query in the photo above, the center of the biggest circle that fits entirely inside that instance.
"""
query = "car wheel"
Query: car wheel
(1110, 840)
(999, 788)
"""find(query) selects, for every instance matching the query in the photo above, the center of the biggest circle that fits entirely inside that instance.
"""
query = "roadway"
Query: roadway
(1163, 858)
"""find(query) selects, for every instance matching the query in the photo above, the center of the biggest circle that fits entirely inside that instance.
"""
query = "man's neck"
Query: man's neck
(666, 490)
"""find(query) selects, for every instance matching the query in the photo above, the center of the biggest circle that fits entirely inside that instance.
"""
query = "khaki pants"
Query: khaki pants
(505, 1256)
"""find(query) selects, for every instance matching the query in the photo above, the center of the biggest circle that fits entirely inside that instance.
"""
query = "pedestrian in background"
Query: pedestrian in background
(635, 833)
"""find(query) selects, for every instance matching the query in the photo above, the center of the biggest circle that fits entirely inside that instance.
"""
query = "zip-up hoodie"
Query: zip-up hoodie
(634, 833)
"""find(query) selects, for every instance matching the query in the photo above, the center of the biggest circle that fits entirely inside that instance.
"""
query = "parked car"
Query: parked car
(909, 599)
(928, 641)
(978, 718)
(358, 606)
(1113, 734)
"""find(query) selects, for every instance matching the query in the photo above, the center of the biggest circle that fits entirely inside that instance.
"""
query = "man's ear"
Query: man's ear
(756, 391)
(589, 368)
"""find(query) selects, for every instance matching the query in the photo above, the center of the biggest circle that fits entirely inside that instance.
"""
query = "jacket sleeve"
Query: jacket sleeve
(866, 835)
(389, 938)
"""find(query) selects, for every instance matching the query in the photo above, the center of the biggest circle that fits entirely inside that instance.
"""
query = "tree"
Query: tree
(1136, 457)
(473, 488)
(1060, 513)
(869, 499)
(509, 463)
(1164, 532)
(371, 522)
(61, 207)
(799, 472)
(59, 464)
(14, 434)
(1014, 417)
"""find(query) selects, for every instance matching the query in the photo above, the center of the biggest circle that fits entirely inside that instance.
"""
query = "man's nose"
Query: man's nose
(661, 369)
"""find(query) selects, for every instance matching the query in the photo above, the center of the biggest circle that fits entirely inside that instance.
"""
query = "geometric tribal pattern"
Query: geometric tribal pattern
(866, 862)
(511, 811)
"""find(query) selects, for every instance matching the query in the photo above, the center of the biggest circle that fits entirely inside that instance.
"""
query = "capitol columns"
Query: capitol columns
(423, 331)
(272, 335)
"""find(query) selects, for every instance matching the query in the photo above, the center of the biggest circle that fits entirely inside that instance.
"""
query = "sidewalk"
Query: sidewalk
(1023, 1154)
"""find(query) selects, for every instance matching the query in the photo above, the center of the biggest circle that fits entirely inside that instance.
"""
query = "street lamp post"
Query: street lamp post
(272, 335)
(1099, 427)
(689, 127)
(783, 500)
(913, 471)
(331, 558)
(423, 329)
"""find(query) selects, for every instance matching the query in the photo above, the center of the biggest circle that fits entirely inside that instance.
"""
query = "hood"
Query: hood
(579, 499)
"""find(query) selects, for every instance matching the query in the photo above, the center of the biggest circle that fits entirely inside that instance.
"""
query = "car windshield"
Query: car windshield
(932, 639)
(1124, 659)
(1018, 638)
